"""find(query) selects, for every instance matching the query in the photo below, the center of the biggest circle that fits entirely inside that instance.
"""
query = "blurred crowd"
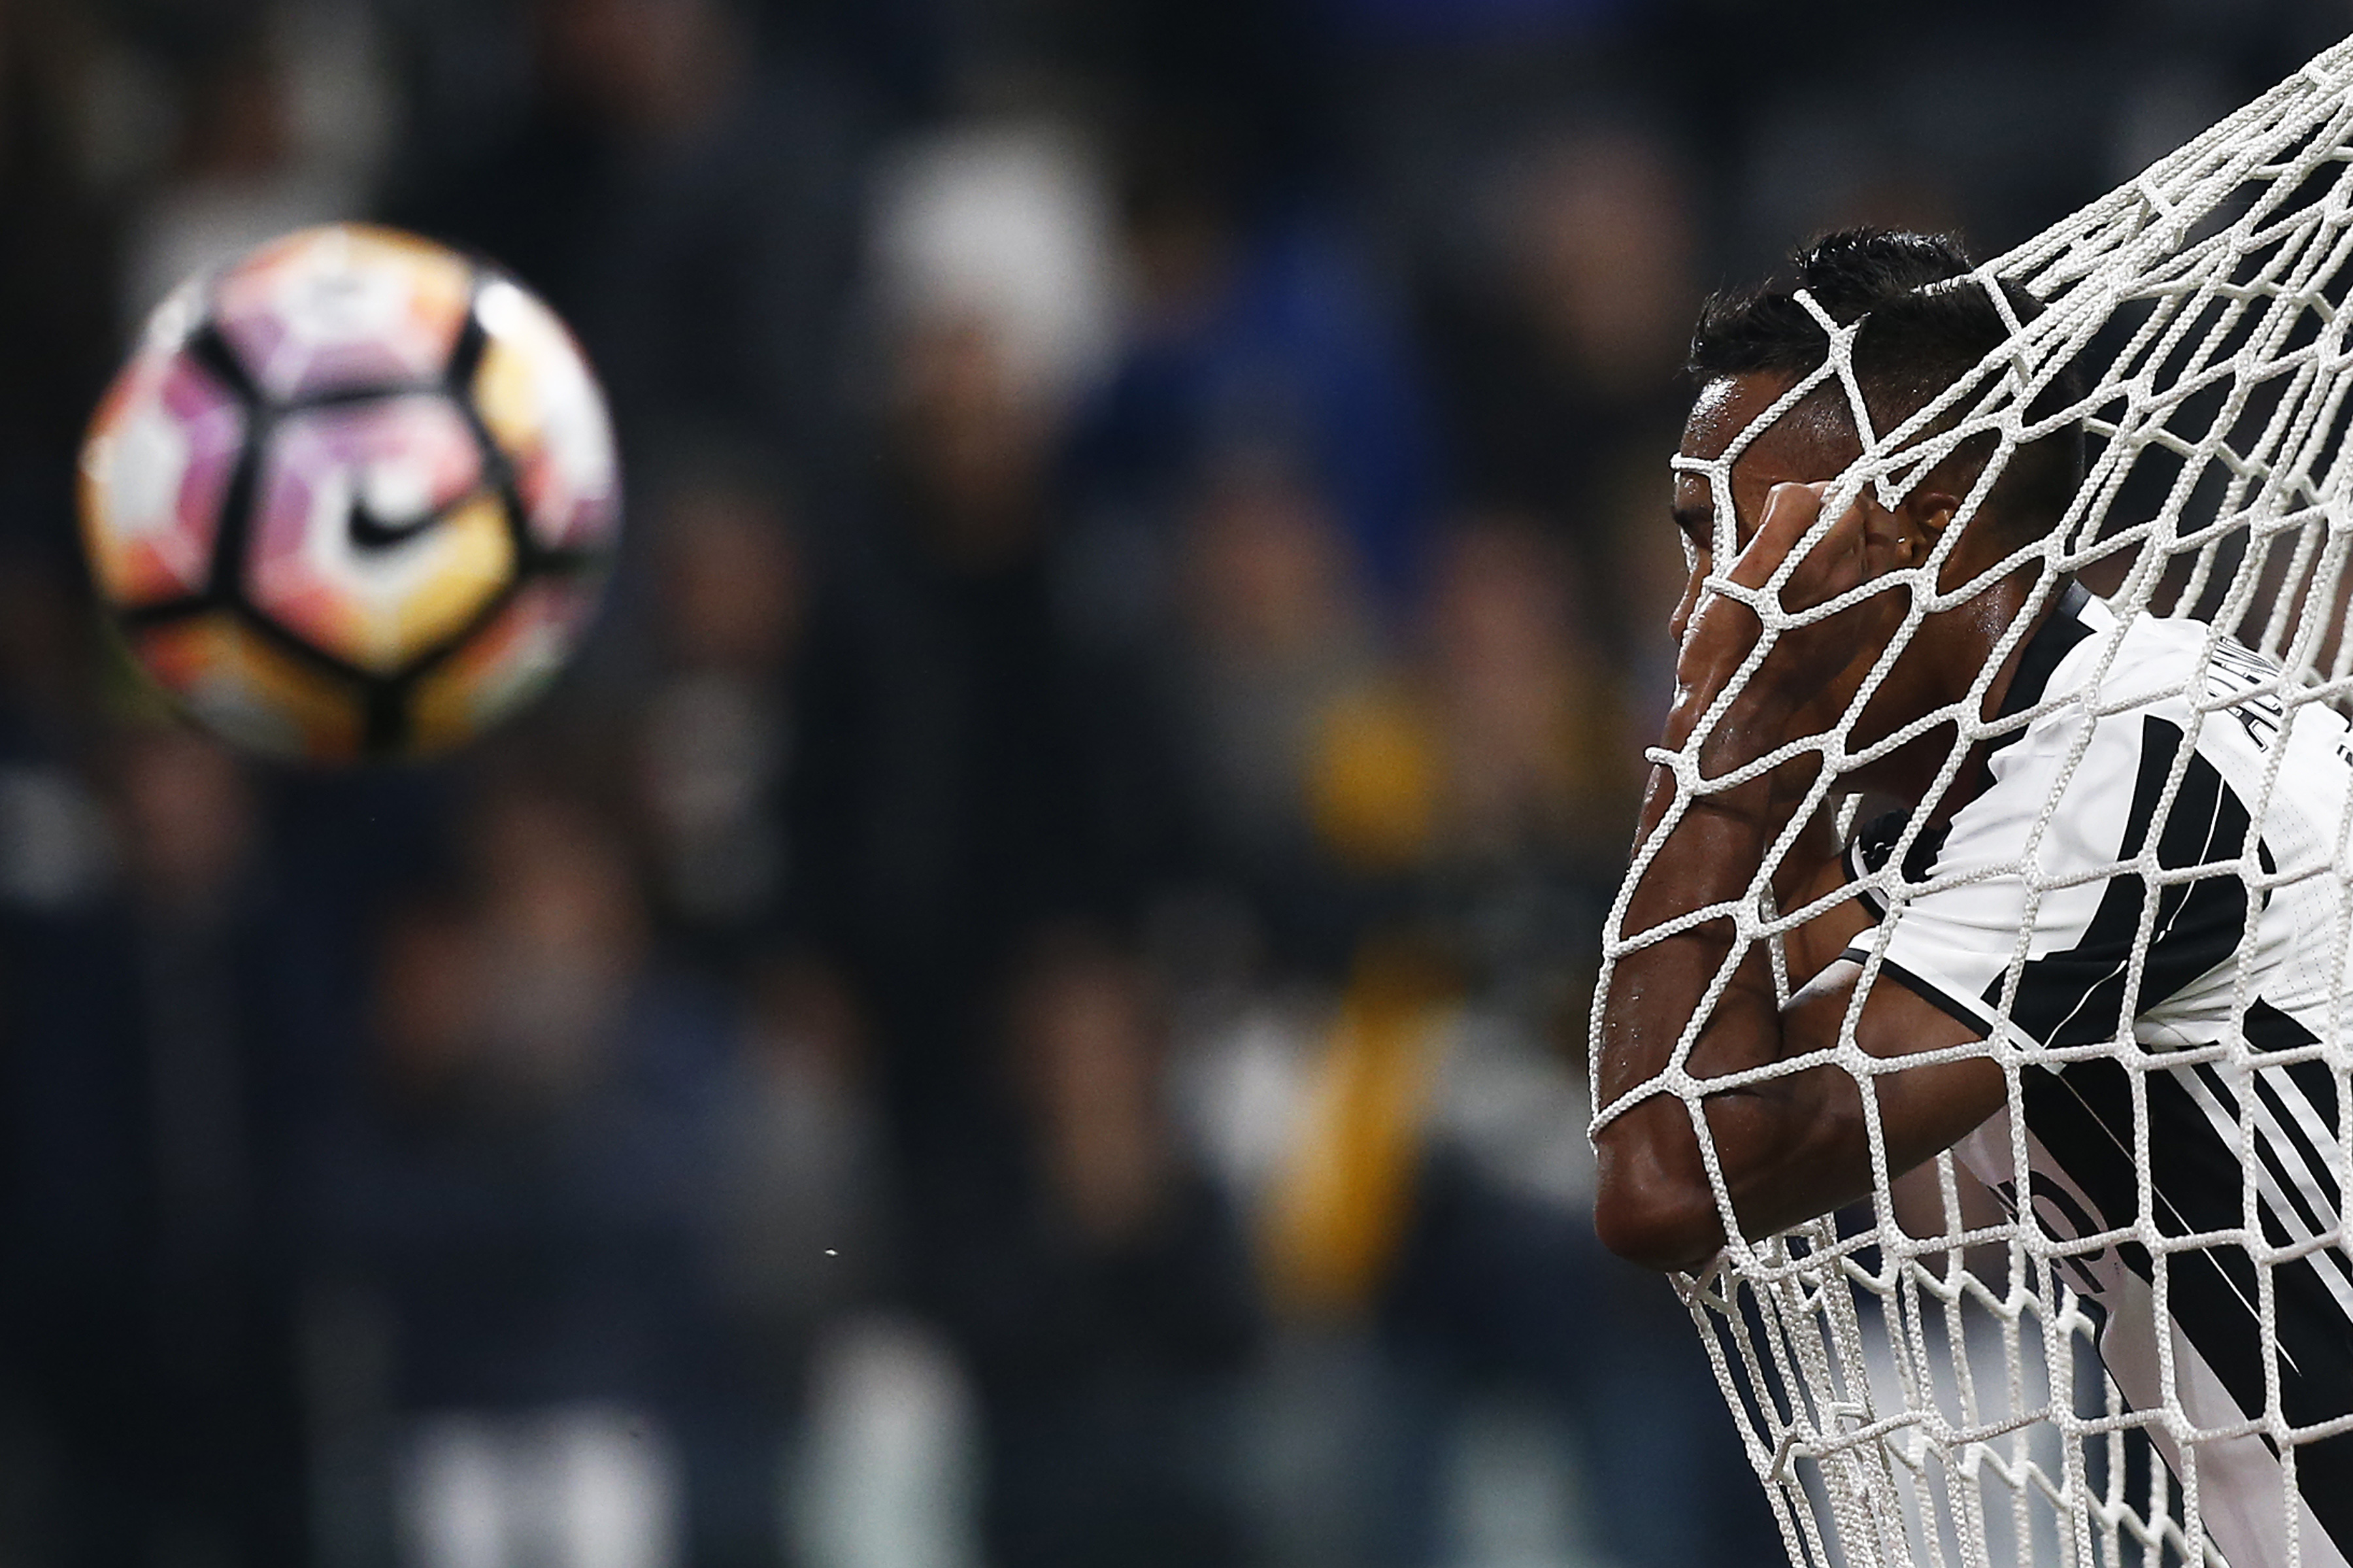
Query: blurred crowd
(1023, 1003)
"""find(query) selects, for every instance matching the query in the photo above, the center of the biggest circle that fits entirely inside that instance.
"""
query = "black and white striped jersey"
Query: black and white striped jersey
(2176, 1119)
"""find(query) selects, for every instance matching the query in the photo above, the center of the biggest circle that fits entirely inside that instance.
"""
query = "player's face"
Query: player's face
(1795, 450)
(1801, 450)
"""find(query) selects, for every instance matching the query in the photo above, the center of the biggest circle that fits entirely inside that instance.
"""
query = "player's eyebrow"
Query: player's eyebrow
(1696, 524)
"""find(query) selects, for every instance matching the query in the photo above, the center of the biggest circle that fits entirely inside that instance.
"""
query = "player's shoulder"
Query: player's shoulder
(2120, 672)
(2088, 661)
(2083, 667)
(2146, 688)
(2085, 736)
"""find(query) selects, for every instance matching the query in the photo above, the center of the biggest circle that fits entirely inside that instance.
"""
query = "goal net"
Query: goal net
(1921, 1378)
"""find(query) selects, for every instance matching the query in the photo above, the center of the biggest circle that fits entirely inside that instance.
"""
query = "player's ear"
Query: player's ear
(1925, 515)
(1894, 537)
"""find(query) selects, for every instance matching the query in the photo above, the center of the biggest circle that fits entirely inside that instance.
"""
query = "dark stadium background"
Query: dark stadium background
(1023, 1003)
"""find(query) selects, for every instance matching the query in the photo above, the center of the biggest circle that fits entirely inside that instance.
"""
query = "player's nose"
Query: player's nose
(1679, 622)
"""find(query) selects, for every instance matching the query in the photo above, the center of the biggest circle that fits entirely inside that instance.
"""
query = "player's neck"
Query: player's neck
(1937, 672)
(1992, 615)
(1968, 639)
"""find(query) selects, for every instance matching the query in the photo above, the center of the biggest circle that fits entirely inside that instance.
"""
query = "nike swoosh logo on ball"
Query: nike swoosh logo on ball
(370, 531)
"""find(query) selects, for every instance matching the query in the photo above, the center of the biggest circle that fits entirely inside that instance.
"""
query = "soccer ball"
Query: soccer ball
(353, 497)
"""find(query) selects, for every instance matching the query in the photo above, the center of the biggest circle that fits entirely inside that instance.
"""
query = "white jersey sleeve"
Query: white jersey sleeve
(2092, 894)
(2025, 909)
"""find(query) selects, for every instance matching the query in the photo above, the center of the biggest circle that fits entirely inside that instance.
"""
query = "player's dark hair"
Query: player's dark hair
(1916, 341)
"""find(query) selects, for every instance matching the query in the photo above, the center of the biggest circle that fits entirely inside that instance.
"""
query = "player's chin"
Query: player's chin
(1877, 720)
(1834, 699)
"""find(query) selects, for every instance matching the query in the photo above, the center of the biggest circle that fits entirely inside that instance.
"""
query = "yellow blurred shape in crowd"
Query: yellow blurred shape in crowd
(1338, 1210)
(1373, 781)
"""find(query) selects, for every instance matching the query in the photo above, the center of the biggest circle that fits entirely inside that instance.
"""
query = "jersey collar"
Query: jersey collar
(2061, 630)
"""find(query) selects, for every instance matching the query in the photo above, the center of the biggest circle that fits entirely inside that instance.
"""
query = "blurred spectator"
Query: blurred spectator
(715, 736)
(1495, 768)
(55, 682)
(1415, 1158)
(1338, 1213)
(1280, 631)
(1559, 338)
(884, 1472)
(800, 1205)
(800, 1223)
(688, 203)
(1007, 224)
(1531, 722)
(528, 1202)
(969, 765)
(158, 1096)
(1257, 332)
(1537, 765)
(234, 183)
(1315, 788)
(57, 268)
(258, 151)
(1098, 1291)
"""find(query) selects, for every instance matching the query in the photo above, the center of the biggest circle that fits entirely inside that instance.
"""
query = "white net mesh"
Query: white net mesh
(1929, 1379)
